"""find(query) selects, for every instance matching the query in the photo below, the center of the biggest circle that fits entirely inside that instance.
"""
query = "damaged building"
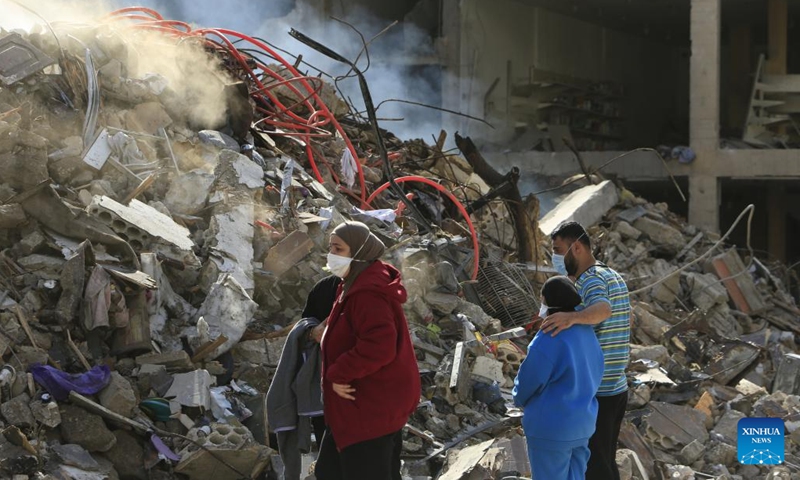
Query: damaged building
(167, 190)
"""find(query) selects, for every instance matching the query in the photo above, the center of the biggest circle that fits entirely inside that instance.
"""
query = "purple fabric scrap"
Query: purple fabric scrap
(163, 449)
(59, 383)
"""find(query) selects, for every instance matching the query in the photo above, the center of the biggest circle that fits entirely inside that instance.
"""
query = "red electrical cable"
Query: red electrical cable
(458, 204)
(284, 118)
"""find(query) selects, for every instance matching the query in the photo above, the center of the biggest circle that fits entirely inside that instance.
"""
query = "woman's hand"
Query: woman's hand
(344, 391)
(316, 332)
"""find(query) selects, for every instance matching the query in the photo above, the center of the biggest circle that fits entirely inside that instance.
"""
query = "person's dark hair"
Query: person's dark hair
(572, 231)
(560, 295)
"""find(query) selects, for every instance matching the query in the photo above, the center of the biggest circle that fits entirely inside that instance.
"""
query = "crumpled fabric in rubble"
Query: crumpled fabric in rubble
(59, 383)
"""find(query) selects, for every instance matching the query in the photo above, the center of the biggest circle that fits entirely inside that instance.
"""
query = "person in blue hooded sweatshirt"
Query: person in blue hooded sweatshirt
(556, 387)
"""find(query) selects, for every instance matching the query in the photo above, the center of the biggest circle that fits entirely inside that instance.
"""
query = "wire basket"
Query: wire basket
(506, 294)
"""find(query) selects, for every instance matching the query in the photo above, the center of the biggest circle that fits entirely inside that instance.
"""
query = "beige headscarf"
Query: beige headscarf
(364, 246)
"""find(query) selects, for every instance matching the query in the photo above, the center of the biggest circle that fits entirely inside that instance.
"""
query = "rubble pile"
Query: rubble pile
(153, 258)
(156, 249)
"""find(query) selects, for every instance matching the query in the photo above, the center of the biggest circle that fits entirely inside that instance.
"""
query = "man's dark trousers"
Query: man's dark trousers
(603, 444)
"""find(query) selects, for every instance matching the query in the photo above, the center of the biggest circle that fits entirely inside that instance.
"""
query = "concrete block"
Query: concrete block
(145, 227)
(118, 396)
(127, 456)
(12, 215)
(288, 252)
(488, 369)
(188, 193)
(17, 412)
(585, 206)
(692, 452)
(787, 378)
(443, 303)
(234, 444)
(628, 231)
(85, 429)
(657, 353)
(46, 413)
(661, 234)
(727, 426)
(706, 290)
(44, 266)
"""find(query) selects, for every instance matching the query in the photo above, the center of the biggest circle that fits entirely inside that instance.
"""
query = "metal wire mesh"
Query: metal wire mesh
(506, 294)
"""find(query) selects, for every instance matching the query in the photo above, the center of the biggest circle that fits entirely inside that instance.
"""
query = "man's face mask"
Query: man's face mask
(564, 265)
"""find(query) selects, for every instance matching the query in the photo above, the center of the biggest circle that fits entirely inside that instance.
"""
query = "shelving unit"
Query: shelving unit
(591, 110)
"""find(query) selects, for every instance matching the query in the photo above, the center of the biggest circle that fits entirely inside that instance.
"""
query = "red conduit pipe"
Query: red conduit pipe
(459, 206)
(323, 111)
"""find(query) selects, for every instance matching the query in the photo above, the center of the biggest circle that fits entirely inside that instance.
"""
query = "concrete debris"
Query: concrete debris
(585, 206)
(178, 246)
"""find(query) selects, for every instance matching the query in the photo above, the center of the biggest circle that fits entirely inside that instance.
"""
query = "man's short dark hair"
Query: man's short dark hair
(571, 232)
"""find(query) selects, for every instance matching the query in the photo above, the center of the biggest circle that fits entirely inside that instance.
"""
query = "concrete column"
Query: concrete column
(777, 32)
(704, 195)
(704, 78)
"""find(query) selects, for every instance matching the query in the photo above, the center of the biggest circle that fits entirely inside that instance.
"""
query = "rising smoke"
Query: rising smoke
(390, 74)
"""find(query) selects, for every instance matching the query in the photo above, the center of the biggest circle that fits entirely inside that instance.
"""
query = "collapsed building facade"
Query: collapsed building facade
(166, 193)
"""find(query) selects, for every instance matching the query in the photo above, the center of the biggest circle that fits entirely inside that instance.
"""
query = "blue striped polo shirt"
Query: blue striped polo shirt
(602, 284)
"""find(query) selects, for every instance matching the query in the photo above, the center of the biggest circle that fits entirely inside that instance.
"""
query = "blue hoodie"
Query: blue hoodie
(556, 386)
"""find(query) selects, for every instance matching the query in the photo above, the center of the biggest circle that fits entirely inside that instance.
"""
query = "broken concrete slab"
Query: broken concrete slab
(188, 193)
(672, 427)
(76, 456)
(85, 429)
(12, 216)
(44, 266)
(627, 231)
(235, 170)
(735, 357)
(173, 361)
(585, 206)
(706, 290)
(692, 452)
(488, 369)
(118, 396)
(227, 310)
(661, 234)
(288, 252)
(142, 226)
(24, 171)
(229, 239)
(787, 378)
(217, 139)
(192, 389)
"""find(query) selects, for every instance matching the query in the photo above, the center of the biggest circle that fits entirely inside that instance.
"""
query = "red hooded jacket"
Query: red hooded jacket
(367, 346)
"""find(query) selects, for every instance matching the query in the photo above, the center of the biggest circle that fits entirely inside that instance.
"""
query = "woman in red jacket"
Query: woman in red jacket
(370, 379)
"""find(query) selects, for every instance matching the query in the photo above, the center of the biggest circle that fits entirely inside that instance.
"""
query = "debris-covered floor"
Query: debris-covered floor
(166, 196)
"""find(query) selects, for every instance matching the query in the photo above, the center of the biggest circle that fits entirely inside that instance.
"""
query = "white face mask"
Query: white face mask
(543, 311)
(339, 265)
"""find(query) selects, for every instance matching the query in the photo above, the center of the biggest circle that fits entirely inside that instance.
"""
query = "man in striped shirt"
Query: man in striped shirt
(606, 305)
